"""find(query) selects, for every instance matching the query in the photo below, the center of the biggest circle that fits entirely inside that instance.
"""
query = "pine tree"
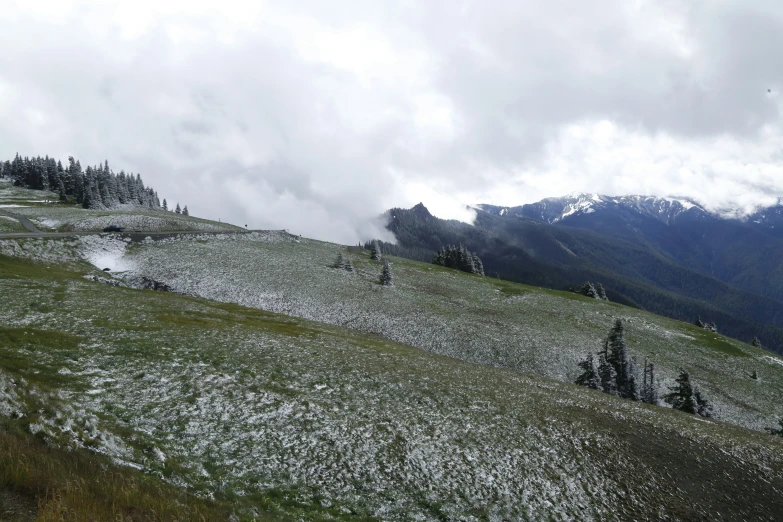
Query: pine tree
(440, 257)
(340, 262)
(61, 190)
(756, 342)
(348, 265)
(589, 290)
(478, 265)
(375, 251)
(649, 391)
(185, 211)
(607, 375)
(589, 376)
(682, 396)
(165, 204)
(699, 322)
(106, 198)
(617, 356)
(178, 210)
(601, 292)
(86, 195)
(386, 275)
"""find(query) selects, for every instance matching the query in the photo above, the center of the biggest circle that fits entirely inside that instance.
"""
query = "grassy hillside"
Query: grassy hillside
(475, 319)
(282, 416)
(50, 215)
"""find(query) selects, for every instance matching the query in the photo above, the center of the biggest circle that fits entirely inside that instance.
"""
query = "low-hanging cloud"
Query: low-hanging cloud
(317, 117)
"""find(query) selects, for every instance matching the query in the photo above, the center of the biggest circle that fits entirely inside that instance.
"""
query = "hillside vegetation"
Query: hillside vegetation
(284, 416)
(444, 396)
(50, 215)
(472, 318)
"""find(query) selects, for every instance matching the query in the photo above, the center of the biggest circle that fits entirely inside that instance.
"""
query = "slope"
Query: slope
(633, 271)
(480, 320)
(50, 215)
(283, 415)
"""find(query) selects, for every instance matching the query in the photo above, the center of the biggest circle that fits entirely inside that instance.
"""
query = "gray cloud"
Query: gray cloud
(317, 117)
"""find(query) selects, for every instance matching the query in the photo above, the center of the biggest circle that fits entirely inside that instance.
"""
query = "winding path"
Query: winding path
(26, 223)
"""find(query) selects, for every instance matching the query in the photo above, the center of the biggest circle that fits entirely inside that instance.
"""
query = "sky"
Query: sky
(317, 116)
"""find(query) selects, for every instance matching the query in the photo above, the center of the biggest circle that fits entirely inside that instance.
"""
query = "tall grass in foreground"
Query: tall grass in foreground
(41, 483)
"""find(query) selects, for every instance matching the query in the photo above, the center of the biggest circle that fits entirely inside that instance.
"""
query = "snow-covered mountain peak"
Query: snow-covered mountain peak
(558, 209)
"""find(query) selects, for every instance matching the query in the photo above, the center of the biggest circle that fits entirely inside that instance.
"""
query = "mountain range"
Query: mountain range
(668, 255)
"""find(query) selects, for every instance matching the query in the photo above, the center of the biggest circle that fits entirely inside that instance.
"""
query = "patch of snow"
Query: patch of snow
(771, 359)
(105, 252)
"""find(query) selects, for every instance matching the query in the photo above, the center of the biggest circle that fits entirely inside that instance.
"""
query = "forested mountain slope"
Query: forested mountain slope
(634, 268)
(745, 253)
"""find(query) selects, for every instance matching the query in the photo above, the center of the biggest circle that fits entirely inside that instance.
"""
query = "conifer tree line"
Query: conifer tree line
(460, 258)
(95, 187)
(615, 373)
(596, 291)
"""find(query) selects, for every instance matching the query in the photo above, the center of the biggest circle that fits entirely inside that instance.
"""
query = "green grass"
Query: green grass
(477, 319)
(352, 423)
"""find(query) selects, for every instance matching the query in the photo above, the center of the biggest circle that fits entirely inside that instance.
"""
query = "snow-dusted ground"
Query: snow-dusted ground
(72, 219)
(69, 218)
(220, 398)
(9, 224)
(447, 312)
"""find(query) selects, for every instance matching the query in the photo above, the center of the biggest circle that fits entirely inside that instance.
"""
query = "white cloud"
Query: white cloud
(318, 116)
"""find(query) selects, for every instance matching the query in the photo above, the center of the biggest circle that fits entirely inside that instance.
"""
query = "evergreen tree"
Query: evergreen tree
(185, 211)
(460, 258)
(618, 357)
(165, 204)
(386, 275)
(601, 292)
(106, 198)
(649, 391)
(87, 195)
(375, 251)
(340, 262)
(61, 190)
(348, 265)
(682, 396)
(756, 342)
(589, 376)
(589, 290)
(699, 322)
(607, 375)
(440, 257)
(178, 210)
(478, 265)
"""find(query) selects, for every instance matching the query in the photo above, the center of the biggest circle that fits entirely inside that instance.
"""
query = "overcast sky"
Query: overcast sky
(316, 116)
